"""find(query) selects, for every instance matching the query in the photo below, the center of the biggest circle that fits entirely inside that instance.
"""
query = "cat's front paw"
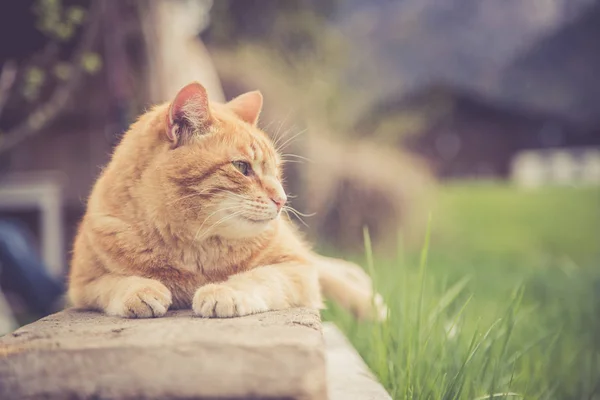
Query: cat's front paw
(146, 298)
(222, 301)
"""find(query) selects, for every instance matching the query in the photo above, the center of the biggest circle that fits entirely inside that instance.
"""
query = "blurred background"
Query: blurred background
(466, 132)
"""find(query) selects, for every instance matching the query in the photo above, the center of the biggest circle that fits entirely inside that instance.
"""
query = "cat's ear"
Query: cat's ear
(189, 113)
(247, 106)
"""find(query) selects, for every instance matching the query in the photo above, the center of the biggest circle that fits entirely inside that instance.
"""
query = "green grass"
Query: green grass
(494, 220)
(503, 303)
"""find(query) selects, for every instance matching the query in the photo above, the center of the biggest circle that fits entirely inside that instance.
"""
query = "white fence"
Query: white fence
(575, 166)
(42, 192)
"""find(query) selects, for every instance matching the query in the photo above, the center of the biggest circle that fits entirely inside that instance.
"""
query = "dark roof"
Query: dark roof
(534, 128)
(560, 72)
(488, 47)
(459, 99)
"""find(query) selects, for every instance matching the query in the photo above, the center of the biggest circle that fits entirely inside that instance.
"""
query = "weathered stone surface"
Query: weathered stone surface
(84, 355)
(348, 378)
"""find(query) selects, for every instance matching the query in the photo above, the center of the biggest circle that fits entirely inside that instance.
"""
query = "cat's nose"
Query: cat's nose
(279, 201)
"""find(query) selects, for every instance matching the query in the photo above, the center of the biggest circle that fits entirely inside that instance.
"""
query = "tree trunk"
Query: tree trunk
(175, 52)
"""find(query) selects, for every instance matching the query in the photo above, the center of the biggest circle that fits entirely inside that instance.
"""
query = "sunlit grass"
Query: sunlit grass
(491, 220)
(465, 327)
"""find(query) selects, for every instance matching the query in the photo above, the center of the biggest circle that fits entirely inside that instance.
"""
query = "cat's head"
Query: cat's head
(217, 173)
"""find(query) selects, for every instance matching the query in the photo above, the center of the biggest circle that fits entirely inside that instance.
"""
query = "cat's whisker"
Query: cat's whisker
(280, 134)
(275, 135)
(233, 195)
(288, 211)
(282, 147)
(296, 156)
(207, 218)
(266, 127)
(222, 220)
(191, 195)
(292, 161)
(300, 213)
(223, 194)
(186, 197)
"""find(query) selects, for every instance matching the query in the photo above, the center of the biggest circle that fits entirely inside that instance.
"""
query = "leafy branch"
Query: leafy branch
(73, 74)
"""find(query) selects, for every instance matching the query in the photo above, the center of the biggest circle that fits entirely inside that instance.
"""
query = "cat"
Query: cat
(188, 214)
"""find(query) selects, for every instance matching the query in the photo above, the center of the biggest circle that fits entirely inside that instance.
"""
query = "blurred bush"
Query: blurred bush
(301, 63)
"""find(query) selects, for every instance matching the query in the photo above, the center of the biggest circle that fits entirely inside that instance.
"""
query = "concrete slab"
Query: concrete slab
(348, 377)
(85, 355)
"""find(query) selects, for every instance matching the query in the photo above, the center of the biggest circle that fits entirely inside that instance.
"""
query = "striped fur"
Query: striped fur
(172, 223)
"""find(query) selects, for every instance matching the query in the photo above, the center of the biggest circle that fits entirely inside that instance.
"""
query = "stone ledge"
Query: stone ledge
(348, 377)
(84, 355)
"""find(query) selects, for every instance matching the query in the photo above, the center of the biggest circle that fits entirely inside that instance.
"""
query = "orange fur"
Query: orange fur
(173, 223)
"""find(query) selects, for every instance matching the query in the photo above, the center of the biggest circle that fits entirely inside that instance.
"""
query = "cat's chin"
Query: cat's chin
(244, 228)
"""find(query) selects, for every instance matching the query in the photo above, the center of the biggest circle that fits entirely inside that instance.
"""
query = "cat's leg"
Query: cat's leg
(348, 285)
(123, 296)
(272, 287)
(108, 261)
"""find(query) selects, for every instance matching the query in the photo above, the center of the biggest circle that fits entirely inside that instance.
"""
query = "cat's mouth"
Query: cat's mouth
(257, 220)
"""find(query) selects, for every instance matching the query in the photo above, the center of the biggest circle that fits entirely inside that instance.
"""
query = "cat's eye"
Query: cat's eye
(243, 167)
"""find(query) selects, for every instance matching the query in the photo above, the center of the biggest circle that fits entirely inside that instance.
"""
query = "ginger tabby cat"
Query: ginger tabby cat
(187, 214)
